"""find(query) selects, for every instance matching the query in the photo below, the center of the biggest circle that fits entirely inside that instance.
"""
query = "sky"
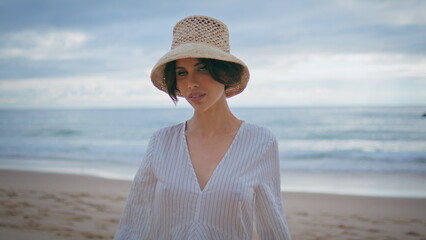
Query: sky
(99, 53)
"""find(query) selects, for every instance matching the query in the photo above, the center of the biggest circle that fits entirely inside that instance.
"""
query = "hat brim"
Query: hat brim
(198, 50)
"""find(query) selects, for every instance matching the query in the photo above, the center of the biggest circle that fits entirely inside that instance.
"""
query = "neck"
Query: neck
(216, 120)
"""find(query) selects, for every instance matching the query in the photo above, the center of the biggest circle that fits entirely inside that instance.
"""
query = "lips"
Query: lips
(196, 96)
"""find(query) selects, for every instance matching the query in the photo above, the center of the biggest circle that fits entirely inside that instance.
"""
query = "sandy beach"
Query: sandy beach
(57, 206)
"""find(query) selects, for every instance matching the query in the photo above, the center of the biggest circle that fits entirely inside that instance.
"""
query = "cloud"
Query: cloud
(337, 26)
(85, 92)
(62, 54)
(100, 53)
(54, 45)
(291, 80)
(345, 67)
(390, 12)
(335, 79)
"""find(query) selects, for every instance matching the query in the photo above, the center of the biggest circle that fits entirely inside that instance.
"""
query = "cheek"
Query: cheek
(182, 88)
(179, 86)
(219, 87)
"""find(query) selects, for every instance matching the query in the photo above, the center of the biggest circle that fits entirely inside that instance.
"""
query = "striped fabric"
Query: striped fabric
(166, 201)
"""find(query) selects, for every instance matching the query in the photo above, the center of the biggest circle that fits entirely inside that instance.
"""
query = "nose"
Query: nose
(192, 81)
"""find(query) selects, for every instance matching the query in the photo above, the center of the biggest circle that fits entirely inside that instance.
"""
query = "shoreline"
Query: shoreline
(368, 184)
(36, 205)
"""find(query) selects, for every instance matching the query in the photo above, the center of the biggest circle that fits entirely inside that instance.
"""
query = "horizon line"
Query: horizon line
(188, 108)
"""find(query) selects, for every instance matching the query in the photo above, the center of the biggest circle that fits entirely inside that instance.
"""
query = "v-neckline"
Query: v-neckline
(188, 156)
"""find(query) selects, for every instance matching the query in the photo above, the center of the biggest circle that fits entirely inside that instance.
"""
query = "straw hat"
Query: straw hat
(199, 37)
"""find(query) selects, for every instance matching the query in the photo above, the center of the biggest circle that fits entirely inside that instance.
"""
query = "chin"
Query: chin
(200, 108)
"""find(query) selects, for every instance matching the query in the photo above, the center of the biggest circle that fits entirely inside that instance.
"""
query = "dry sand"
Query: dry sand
(58, 206)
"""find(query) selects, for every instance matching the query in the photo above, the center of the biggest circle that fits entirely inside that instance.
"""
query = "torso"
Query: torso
(207, 153)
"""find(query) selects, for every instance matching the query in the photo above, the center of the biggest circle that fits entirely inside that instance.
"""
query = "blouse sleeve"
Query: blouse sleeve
(135, 223)
(269, 212)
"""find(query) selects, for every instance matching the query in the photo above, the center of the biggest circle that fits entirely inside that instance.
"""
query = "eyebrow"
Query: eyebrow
(198, 63)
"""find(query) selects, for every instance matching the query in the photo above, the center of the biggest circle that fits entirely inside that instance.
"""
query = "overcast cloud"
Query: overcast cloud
(99, 54)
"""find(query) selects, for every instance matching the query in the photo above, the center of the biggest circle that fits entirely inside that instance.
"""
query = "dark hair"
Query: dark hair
(227, 73)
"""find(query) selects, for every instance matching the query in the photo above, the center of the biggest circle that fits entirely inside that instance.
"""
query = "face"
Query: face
(197, 85)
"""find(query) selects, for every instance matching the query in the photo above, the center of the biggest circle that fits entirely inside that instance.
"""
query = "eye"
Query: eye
(181, 73)
(202, 68)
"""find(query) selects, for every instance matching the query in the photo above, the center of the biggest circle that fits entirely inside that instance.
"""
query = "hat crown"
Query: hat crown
(201, 29)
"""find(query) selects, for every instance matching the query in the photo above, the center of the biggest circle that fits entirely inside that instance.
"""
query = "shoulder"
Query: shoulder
(166, 133)
(258, 143)
(169, 130)
(256, 132)
(257, 138)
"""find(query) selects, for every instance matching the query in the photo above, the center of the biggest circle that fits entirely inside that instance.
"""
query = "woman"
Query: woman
(204, 179)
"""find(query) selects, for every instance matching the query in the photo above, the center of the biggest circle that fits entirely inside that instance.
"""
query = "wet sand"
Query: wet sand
(59, 206)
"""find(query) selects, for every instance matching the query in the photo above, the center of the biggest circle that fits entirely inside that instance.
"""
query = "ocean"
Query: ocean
(377, 151)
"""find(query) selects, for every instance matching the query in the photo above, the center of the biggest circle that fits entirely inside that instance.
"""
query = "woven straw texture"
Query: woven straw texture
(199, 37)
(201, 30)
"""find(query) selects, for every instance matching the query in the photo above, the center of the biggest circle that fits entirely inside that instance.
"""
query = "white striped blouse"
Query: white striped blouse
(166, 201)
